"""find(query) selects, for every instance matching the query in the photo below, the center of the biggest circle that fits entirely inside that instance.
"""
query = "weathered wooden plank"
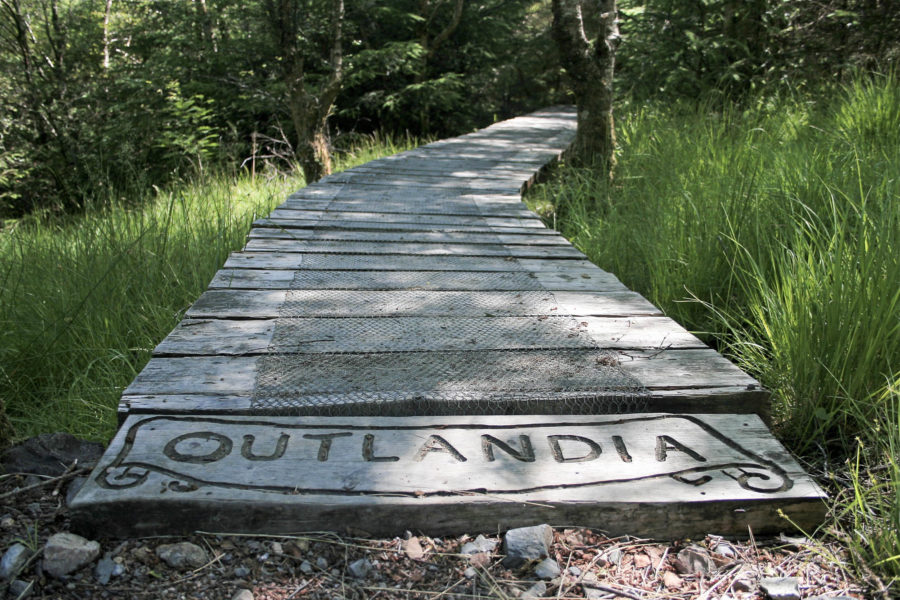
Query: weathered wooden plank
(388, 375)
(564, 268)
(651, 475)
(257, 279)
(423, 248)
(405, 334)
(326, 224)
(401, 207)
(510, 180)
(287, 214)
(431, 237)
(409, 262)
(722, 399)
(261, 304)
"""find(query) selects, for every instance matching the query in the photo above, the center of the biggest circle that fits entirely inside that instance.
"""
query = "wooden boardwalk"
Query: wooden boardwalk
(414, 296)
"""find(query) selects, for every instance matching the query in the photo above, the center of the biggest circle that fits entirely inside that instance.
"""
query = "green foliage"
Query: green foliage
(188, 133)
(728, 48)
(85, 298)
(774, 230)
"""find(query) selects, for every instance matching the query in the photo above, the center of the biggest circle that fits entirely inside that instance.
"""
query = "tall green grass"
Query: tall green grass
(85, 298)
(775, 232)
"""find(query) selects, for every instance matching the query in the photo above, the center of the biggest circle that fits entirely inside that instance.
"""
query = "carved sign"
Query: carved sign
(438, 457)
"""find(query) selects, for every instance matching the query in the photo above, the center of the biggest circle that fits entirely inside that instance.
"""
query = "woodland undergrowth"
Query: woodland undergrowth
(773, 231)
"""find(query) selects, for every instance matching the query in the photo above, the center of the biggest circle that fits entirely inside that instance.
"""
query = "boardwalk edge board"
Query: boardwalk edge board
(656, 475)
(421, 284)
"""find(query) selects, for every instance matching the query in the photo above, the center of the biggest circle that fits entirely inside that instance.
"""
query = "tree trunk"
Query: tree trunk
(309, 108)
(591, 67)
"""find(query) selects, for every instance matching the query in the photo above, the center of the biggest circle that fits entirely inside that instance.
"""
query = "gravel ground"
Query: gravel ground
(330, 566)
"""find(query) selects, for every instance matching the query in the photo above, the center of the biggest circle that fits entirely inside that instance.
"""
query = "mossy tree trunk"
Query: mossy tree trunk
(590, 65)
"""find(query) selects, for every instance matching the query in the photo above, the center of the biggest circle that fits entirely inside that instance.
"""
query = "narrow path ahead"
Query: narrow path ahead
(417, 294)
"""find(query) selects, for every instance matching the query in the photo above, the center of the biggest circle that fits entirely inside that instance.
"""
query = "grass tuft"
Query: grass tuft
(85, 298)
(774, 232)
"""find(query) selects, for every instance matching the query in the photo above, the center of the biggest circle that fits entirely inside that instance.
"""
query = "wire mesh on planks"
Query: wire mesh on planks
(428, 348)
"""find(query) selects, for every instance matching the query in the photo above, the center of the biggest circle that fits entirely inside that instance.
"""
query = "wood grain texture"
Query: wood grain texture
(654, 475)
(412, 262)
(242, 337)
(568, 280)
(670, 369)
(261, 304)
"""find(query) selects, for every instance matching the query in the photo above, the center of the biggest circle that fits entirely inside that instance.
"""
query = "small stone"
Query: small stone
(263, 557)
(20, 589)
(241, 571)
(694, 559)
(743, 585)
(65, 553)
(321, 563)
(547, 569)
(574, 571)
(306, 568)
(104, 569)
(725, 549)
(470, 573)
(360, 568)
(118, 570)
(781, 588)
(480, 544)
(242, 594)
(526, 544)
(613, 556)
(13, 561)
(671, 580)
(7, 522)
(277, 549)
(412, 548)
(183, 555)
(535, 591)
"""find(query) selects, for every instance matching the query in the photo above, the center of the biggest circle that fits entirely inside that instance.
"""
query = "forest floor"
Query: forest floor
(328, 565)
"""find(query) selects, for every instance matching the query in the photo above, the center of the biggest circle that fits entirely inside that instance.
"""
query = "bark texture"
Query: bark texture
(310, 103)
(591, 65)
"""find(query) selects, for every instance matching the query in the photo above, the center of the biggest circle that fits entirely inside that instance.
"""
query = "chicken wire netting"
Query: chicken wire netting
(435, 342)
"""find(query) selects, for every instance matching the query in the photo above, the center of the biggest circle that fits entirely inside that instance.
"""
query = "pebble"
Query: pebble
(20, 589)
(526, 544)
(65, 553)
(574, 571)
(613, 556)
(536, 591)
(183, 555)
(277, 549)
(13, 561)
(306, 568)
(321, 563)
(781, 588)
(103, 571)
(241, 571)
(694, 559)
(480, 544)
(547, 569)
(242, 594)
(7, 522)
(470, 573)
(360, 568)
